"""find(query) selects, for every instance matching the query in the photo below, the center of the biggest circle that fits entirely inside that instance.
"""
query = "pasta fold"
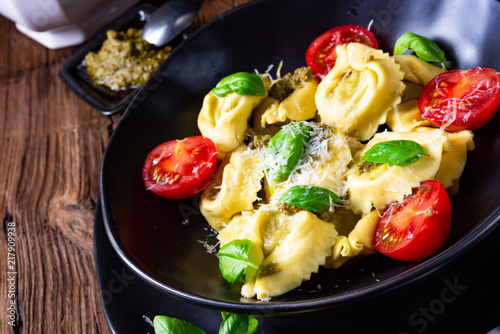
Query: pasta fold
(453, 162)
(359, 241)
(298, 106)
(359, 91)
(234, 189)
(406, 117)
(417, 73)
(416, 70)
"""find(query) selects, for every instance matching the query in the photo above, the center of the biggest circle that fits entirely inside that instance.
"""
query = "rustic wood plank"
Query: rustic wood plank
(19, 53)
(51, 186)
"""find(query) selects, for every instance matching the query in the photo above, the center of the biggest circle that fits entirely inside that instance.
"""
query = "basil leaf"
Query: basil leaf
(253, 323)
(166, 325)
(239, 260)
(242, 83)
(310, 198)
(238, 324)
(424, 48)
(284, 151)
(395, 152)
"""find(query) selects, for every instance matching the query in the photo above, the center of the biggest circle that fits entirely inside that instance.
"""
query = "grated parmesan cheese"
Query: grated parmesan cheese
(209, 248)
(323, 144)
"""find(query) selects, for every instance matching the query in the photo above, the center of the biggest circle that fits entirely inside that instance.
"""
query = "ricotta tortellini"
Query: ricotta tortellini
(291, 98)
(376, 185)
(225, 119)
(294, 247)
(359, 91)
(340, 120)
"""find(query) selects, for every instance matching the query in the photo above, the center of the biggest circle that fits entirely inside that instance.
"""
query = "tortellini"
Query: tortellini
(290, 99)
(234, 189)
(294, 246)
(416, 70)
(381, 184)
(406, 116)
(225, 119)
(453, 162)
(358, 241)
(359, 91)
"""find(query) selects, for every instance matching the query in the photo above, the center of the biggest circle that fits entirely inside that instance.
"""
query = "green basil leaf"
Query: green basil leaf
(242, 83)
(238, 324)
(253, 323)
(284, 151)
(234, 324)
(310, 198)
(395, 152)
(239, 260)
(166, 325)
(424, 48)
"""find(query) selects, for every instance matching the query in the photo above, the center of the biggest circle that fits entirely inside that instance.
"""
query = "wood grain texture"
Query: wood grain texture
(51, 145)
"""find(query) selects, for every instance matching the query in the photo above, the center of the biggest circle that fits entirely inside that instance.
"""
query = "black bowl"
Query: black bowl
(162, 240)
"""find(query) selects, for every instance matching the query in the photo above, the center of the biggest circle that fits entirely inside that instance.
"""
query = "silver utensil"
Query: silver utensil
(169, 20)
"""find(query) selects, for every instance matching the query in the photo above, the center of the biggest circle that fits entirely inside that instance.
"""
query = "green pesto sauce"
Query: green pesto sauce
(366, 167)
(289, 210)
(125, 60)
(285, 86)
(261, 140)
(270, 269)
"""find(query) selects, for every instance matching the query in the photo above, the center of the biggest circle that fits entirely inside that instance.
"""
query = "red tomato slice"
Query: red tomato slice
(179, 169)
(321, 54)
(461, 100)
(416, 227)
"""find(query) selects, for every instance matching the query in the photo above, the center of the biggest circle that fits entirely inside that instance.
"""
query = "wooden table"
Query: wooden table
(51, 144)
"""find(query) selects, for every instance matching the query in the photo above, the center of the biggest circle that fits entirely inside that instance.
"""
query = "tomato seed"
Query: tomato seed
(175, 178)
(429, 212)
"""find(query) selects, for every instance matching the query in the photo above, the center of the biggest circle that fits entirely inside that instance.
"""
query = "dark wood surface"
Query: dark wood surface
(51, 145)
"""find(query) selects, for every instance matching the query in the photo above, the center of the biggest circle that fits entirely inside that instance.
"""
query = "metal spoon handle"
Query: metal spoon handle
(169, 20)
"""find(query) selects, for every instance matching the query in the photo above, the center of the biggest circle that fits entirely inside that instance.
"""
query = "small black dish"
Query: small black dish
(74, 74)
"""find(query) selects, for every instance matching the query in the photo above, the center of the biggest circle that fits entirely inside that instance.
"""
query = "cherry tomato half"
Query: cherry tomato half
(416, 227)
(461, 100)
(321, 54)
(179, 169)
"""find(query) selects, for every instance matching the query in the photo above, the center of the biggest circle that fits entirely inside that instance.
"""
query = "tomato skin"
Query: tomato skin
(179, 169)
(321, 54)
(474, 94)
(415, 228)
